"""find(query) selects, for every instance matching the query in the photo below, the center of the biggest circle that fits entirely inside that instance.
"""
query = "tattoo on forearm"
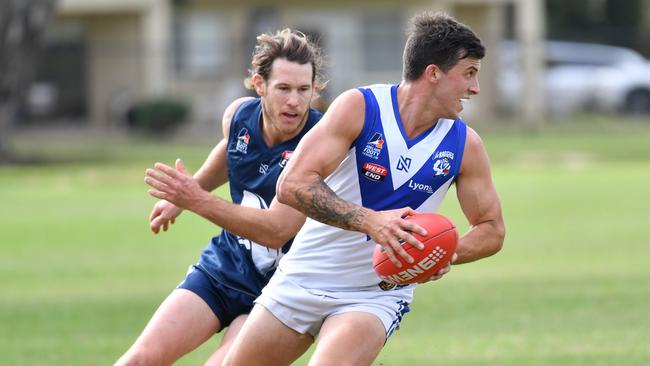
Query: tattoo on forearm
(319, 202)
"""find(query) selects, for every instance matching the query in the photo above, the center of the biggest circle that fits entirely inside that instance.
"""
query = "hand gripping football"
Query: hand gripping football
(439, 247)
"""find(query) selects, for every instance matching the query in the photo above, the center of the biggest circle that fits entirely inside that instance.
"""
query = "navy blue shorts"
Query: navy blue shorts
(226, 303)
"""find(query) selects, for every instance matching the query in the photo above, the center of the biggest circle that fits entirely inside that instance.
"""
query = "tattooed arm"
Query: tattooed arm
(302, 185)
(322, 204)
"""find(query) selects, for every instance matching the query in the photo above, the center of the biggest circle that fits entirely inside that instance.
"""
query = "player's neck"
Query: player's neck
(415, 109)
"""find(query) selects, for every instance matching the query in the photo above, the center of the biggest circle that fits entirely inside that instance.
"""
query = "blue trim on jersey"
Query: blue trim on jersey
(410, 142)
(369, 151)
(372, 109)
(374, 170)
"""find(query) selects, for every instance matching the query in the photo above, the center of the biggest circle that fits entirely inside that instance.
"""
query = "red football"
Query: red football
(439, 247)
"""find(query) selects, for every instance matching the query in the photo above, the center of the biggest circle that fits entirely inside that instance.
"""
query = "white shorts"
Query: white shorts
(304, 310)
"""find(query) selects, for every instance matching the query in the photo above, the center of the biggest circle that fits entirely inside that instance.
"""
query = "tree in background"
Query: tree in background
(22, 26)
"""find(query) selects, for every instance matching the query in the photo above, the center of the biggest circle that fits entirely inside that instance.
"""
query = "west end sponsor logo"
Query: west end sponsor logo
(286, 154)
(374, 172)
(374, 146)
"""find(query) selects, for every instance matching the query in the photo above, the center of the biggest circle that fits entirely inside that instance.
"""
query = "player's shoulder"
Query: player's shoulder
(475, 153)
(234, 106)
(376, 87)
(345, 116)
(473, 140)
(230, 111)
(349, 100)
(348, 108)
(315, 115)
(238, 103)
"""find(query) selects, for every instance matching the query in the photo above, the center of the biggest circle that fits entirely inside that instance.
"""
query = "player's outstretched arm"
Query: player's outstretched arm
(212, 174)
(271, 227)
(302, 185)
(480, 203)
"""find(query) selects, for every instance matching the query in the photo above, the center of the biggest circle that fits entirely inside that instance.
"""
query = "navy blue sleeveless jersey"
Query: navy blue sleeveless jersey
(253, 171)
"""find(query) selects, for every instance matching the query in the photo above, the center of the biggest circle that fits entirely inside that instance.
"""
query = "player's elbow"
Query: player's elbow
(492, 237)
(285, 190)
(498, 236)
(269, 235)
(279, 238)
(282, 194)
(296, 189)
(276, 242)
(277, 235)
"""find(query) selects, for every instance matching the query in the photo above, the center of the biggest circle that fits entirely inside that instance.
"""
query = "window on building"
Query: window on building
(59, 86)
(200, 43)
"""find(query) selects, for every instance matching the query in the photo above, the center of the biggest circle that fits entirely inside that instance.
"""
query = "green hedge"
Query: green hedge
(158, 116)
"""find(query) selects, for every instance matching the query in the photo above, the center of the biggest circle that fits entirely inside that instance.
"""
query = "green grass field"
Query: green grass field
(80, 273)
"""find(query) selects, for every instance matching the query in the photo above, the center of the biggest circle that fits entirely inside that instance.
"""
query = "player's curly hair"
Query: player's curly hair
(439, 39)
(291, 45)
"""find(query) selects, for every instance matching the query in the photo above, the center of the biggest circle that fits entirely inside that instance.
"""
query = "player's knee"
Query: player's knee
(142, 356)
(234, 359)
(228, 360)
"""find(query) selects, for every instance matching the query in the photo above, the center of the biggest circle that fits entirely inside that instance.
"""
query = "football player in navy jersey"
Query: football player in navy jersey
(378, 152)
(260, 135)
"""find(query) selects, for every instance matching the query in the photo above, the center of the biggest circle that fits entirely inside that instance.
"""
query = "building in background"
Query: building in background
(104, 55)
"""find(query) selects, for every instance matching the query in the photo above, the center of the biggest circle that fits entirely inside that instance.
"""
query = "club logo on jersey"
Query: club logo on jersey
(374, 146)
(420, 187)
(387, 286)
(374, 172)
(286, 154)
(264, 168)
(243, 138)
(442, 165)
(404, 164)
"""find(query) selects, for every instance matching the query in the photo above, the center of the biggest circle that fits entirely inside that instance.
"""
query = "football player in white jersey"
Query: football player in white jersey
(309, 296)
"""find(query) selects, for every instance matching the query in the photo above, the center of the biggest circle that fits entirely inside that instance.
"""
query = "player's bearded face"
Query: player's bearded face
(287, 95)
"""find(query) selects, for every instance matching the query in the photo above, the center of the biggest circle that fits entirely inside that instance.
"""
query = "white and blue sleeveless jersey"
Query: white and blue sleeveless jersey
(383, 170)
(253, 171)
